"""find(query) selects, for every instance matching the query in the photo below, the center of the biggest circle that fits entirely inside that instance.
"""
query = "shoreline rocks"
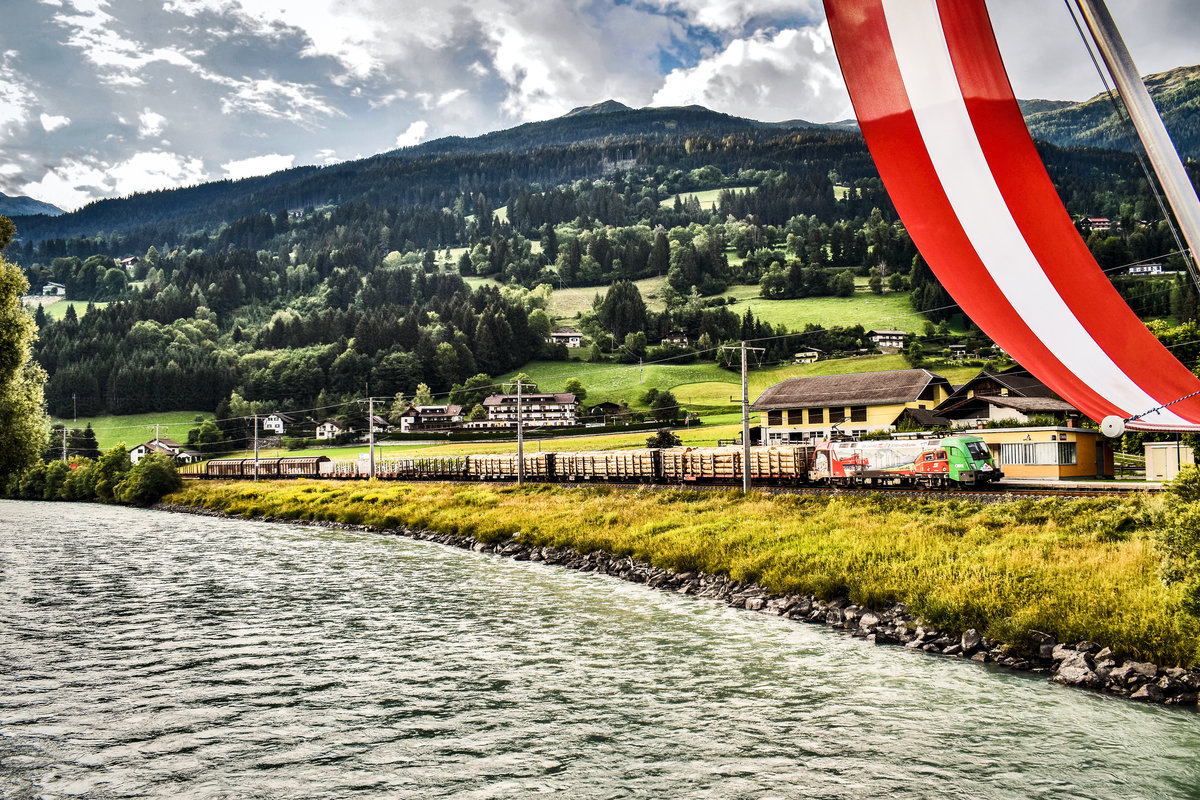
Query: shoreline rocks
(1085, 664)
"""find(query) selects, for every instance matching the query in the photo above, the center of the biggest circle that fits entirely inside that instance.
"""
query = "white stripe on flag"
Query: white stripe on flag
(941, 114)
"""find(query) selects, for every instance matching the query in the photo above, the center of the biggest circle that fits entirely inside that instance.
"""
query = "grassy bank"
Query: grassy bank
(1075, 569)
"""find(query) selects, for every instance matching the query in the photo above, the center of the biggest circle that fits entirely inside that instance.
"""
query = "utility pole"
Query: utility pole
(520, 440)
(745, 411)
(1181, 195)
(371, 436)
(256, 447)
(641, 372)
(745, 425)
(64, 444)
(74, 408)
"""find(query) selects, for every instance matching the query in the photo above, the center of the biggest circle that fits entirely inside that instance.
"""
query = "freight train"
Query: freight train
(951, 461)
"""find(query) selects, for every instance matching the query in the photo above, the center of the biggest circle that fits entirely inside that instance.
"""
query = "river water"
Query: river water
(146, 654)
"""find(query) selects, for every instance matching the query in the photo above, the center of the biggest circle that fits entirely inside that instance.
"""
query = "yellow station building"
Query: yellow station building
(801, 409)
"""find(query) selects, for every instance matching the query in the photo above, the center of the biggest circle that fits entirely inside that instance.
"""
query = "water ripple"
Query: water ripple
(152, 655)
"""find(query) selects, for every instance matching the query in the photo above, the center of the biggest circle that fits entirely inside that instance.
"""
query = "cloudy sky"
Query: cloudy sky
(101, 98)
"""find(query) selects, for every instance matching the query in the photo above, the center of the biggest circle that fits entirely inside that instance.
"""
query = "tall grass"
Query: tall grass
(1074, 569)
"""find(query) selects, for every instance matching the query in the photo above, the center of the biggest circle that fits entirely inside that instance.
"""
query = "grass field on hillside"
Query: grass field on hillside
(890, 311)
(702, 386)
(56, 311)
(568, 303)
(706, 197)
(133, 429)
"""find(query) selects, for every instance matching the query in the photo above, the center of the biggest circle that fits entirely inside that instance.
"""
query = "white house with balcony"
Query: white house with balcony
(538, 410)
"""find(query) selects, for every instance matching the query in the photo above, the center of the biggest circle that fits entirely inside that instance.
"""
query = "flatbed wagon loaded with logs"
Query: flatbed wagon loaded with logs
(949, 461)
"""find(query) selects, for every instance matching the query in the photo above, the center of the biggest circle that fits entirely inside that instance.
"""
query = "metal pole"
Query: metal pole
(64, 444)
(745, 424)
(520, 440)
(371, 436)
(1163, 155)
(256, 447)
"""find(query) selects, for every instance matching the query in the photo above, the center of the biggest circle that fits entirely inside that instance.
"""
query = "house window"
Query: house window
(837, 415)
(774, 417)
(816, 416)
(795, 417)
(858, 413)
(1038, 454)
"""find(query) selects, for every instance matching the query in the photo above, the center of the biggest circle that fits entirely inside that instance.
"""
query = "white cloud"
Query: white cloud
(326, 156)
(789, 74)
(119, 59)
(152, 170)
(51, 123)
(76, 182)
(449, 97)
(150, 123)
(15, 100)
(733, 15)
(555, 59)
(294, 102)
(257, 165)
(414, 135)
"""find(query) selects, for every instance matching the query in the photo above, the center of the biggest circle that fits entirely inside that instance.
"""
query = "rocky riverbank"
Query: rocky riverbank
(1082, 664)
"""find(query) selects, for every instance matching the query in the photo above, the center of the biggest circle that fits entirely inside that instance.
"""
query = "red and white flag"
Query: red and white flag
(938, 114)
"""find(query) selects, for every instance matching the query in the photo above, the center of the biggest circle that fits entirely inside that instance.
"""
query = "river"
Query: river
(147, 654)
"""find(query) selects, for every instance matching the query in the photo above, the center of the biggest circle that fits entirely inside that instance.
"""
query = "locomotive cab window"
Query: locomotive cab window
(979, 450)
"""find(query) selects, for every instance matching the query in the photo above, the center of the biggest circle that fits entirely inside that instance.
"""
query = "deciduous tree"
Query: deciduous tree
(24, 425)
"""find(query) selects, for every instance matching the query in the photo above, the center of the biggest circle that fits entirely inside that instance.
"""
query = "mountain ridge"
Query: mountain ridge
(23, 205)
(608, 123)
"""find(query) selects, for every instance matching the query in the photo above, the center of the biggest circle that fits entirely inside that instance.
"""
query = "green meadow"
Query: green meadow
(133, 429)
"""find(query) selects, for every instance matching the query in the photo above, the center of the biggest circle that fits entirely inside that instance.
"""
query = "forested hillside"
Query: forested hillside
(310, 288)
(1094, 123)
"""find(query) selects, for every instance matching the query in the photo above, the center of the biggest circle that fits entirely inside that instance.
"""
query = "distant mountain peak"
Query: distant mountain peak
(22, 206)
(607, 107)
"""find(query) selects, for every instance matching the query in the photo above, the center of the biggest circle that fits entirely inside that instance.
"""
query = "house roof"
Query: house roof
(541, 397)
(863, 388)
(441, 411)
(329, 421)
(288, 418)
(887, 333)
(967, 407)
(923, 417)
(1017, 380)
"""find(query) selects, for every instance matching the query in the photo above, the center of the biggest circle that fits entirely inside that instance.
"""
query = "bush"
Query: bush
(1186, 486)
(110, 469)
(664, 438)
(80, 483)
(57, 473)
(152, 477)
